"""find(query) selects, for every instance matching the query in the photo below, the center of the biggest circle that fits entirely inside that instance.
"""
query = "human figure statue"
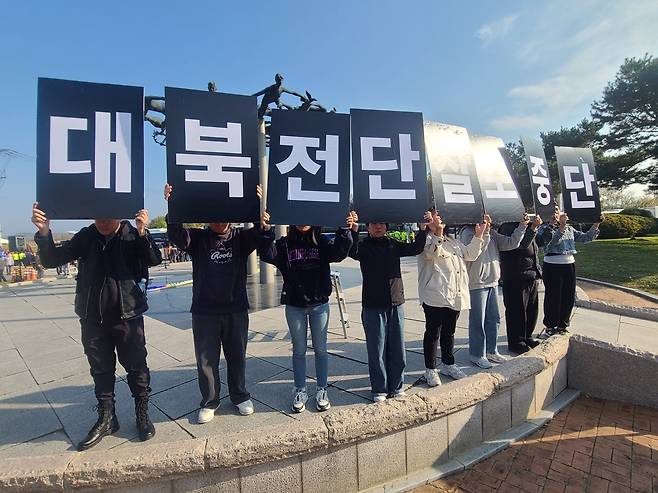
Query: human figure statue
(212, 87)
(272, 94)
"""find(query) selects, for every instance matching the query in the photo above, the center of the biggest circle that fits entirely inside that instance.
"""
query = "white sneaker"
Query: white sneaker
(399, 393)
(481, 362)
(299, 401)
(378, 397)
(322, 399)
(432, 377)
(206, 414)
(246, 408)
(453, 371)
(496, 357)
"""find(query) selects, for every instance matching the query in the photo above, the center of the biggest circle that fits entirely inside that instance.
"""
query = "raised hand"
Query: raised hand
(265, 221)
(536, 223)
(349, 221)
(427, 218)
(167, 191)
(525, 220)
(355, 221)
(481, 229)
(141, 220)
(40, 220)
(438, 224)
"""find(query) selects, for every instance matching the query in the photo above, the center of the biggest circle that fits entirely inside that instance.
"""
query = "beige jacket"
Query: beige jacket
(442, 273)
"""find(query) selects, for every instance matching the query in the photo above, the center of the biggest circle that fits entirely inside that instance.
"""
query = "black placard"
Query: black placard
(212, 156)
(540, 178)
(309, 168)
(499, 193)
(456, 188)
(90, 149)
(580, 192)
(388, 166)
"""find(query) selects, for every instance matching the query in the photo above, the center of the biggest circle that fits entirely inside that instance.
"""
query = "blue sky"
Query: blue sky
(501, 68)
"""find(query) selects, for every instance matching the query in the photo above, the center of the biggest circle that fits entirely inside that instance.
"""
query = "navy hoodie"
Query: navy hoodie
(304, 264)
(219, 266)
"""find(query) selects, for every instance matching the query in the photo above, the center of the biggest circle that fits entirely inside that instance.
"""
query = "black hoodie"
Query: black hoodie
(219, 266)
(303, 259)
(380, 267)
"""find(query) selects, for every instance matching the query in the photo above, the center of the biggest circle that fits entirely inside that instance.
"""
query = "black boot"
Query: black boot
(532, 343)
(106, 425)
(144, 426)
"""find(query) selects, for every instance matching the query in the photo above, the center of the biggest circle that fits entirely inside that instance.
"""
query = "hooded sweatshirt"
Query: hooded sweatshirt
(442, 275)
(485, 271)
(303, 260)
(380, 267)
(219, 266)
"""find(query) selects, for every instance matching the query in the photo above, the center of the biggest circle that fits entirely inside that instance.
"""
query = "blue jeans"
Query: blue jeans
(483, 321)
(385, 343)
(299, 319)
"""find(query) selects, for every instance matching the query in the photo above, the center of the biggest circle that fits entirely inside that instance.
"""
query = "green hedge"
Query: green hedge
(627, 226)
(635, 211)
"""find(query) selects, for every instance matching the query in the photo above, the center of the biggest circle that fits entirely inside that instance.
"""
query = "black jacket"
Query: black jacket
(522, 263)
(124, 260)
(305, 265)
(380, 267)
(219, 266)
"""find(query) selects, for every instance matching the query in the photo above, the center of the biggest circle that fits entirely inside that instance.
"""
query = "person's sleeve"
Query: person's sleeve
(581, 237)
(53, 256)
(555, 237)
(415, 248)
(473, 249)
(267, 248)
(148, 251)
(354, 249)
(338, 250)
(180, 236)
(506, 243)
(528, 236)
(249, 240)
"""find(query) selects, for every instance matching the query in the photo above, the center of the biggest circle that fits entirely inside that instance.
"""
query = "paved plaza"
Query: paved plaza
(46, 392)
(593, 446)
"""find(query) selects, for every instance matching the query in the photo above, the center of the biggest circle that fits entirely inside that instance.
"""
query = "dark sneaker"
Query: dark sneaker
(106, 424)
(532, 343)
(518, 348)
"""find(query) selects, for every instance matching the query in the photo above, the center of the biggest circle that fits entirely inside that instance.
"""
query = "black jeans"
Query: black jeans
(126, 337)
(440, 325)
(560, 295)
(521, 300)
(211, 332)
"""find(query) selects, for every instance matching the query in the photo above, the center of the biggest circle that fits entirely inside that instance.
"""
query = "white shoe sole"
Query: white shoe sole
(209, 419)
(245, 413)
(323, 408)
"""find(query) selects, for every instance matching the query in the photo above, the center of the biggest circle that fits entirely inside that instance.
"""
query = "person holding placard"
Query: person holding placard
(520, 273)
(303, 258)
(559, 269)
(220, 306)
(110, 299)
(443, 293)
(382, 299)
(483, 277)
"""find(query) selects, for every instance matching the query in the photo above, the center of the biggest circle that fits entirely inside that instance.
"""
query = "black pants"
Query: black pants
(521, 300)
(126, 337)
(560, 295)
(439, 327)
(211, 332)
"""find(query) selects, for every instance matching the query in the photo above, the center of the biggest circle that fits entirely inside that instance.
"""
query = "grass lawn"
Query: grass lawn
(632, 263)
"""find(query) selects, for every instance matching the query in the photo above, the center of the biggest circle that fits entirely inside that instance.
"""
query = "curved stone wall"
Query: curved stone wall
(399, 442)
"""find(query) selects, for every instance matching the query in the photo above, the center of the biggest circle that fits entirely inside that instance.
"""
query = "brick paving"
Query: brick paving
(593, 446)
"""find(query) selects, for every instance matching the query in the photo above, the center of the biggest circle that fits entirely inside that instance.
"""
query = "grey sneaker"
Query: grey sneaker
(432, 377)
(322, 399)
(453, 371)
(299, 401)
(481, 362)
